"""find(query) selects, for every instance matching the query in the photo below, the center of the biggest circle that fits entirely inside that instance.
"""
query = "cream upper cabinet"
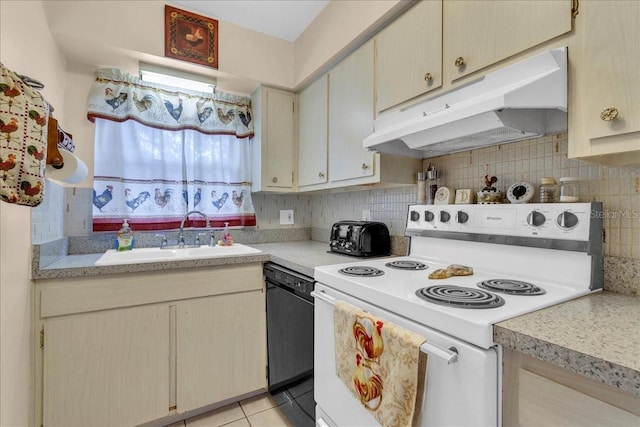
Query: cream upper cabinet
(408, 61)
(604, 106)
(351, 115)
(335, 115)
(479, 33)
(273, 149)
(312, 133)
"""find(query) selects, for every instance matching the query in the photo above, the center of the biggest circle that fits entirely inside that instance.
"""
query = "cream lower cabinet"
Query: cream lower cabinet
(479, 33)
(220, 348)
(604, 106)
(127, 349)
(108, 368)
(537, 393)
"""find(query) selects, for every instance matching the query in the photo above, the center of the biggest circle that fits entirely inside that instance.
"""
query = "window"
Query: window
(160, 153)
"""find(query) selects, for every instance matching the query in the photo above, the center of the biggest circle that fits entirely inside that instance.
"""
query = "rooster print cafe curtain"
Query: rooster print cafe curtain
(162, 152)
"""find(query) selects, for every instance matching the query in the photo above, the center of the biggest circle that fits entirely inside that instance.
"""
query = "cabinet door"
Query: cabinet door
(106, 368)
(409, 55)
(608, 76)
(221, 348)
(351, 115)
(312, 140)
(483, 32)
(279, 139)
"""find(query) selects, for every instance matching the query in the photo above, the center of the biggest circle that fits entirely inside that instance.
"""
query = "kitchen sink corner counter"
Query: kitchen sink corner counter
(595, 336)
(301, 256)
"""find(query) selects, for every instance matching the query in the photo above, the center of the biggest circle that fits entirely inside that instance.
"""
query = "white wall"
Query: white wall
(341, 25)
(26, 47)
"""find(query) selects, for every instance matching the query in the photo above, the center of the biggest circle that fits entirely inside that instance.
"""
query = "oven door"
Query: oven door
(464, 392)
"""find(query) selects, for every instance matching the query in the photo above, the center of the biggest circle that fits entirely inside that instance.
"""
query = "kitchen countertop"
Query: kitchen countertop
(596, 335)
(302, 256)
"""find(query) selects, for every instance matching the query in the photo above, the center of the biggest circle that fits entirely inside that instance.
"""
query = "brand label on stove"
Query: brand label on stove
(496, 218)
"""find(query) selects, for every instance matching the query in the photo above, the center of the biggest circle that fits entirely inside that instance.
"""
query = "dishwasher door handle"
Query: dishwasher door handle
(321, 295)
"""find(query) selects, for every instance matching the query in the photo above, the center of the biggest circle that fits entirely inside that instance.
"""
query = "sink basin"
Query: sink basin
(145, 255)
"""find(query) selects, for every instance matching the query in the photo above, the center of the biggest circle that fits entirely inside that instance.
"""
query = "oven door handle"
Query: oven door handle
(449, 355)
(324, 297)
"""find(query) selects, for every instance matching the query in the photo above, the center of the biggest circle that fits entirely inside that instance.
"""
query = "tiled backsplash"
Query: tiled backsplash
(530, 160)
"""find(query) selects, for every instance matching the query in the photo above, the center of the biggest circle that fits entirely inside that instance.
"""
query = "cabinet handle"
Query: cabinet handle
(428, 77)
(575, 8)
(320, 175)
(274, 179)
(608, 114)
(459, 62)
(365, 166)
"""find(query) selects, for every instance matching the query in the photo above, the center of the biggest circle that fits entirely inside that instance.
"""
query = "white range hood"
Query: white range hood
(523, 100)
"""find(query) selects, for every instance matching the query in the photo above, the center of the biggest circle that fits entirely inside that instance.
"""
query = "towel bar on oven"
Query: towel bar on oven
(449, 355)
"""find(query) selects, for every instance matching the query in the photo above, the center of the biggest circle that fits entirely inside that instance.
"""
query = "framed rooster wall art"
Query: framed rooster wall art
(190, 37)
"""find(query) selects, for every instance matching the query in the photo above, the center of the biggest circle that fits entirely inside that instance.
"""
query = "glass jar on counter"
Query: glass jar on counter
(569, 189)
(549, 191)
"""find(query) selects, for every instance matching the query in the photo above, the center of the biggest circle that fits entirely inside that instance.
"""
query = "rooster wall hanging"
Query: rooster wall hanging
(190, 37)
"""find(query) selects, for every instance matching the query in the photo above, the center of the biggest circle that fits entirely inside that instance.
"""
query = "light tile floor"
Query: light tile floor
(264, 410)
(260, 411)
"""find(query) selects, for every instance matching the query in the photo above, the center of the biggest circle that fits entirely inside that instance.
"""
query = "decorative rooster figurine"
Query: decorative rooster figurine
(488, 182)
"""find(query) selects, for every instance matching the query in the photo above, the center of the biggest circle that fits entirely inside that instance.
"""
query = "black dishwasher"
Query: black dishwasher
(289, 325)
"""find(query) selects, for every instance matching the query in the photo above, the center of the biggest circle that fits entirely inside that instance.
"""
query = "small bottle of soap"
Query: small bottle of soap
(125, 237)
(226, 239)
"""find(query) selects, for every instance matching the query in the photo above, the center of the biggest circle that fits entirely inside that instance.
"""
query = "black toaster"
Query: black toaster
(360, 238)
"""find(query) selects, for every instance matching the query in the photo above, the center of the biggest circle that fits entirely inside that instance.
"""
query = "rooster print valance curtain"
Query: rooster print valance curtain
(119, 96)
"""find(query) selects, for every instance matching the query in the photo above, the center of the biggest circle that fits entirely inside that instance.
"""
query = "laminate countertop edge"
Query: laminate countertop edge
(596, 336)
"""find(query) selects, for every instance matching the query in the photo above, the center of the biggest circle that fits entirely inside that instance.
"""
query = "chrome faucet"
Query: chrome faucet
(184, 218)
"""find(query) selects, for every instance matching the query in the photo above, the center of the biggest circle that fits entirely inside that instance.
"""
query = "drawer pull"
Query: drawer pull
(459, 62)
(428, 77)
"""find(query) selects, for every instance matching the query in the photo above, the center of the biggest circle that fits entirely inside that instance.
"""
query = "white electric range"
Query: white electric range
(524, 258)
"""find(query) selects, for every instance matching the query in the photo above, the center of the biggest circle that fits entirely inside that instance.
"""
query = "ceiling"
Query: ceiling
(285, 19)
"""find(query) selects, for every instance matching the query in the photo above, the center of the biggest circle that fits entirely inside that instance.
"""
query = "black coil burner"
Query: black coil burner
(513, 287)
(360, 271)
(406, 265)
(460, 297)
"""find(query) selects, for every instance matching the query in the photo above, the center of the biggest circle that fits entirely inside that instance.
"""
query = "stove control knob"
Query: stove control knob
(462, 217)
(567, 220)
(536, 219)
(414, 216)
(429, 216)
(444, 216)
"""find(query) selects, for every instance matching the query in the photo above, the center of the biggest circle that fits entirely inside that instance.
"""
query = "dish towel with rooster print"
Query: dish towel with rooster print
(381, 363)
(23, 140)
